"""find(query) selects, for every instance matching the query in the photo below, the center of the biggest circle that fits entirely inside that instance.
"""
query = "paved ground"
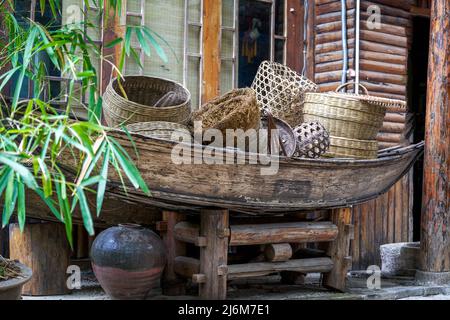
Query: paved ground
(270, 288)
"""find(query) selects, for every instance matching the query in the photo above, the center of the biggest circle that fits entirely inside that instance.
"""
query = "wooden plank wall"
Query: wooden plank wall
(383, 65)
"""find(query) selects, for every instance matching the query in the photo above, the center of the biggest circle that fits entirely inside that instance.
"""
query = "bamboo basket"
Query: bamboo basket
(280, 91)
(345, 115)
(352, 148)
(161, 130)
(149, 99)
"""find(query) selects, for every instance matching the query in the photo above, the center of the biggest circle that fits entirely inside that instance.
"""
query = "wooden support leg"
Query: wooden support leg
(172, 285)
(44, 248)
(339, 249)
(213, 257)
(435, 221)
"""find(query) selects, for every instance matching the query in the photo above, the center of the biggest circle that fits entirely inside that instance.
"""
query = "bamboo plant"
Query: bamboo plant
(34, 133)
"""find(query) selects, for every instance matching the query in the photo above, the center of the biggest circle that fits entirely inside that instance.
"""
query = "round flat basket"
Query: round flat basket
(345, 115)
(147, 99)
(162, 130)
(352, 148)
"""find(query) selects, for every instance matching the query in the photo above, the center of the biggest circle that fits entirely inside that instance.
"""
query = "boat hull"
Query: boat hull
(298, 184)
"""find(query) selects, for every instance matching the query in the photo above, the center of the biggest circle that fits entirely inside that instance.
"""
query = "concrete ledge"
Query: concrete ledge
(424, 278)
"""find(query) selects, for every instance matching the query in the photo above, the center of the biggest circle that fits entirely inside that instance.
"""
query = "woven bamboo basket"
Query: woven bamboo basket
(345, 115)
(161, 130)
(280, 90)
(352, 148)
(393, 104)
(149, 99)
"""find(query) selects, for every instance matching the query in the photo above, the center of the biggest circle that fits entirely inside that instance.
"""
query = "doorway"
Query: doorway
(417, 88)
(262, 36)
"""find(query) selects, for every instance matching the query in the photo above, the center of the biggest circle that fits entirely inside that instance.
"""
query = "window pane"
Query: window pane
(227, 13)
(279, 51)
(279, 17)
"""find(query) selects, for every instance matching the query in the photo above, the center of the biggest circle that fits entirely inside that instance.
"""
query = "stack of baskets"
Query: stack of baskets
(352, 120)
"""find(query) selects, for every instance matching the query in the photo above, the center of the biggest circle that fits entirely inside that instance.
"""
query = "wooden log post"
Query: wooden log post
(278, 252)
(339, 249)
(435, 221)
(213, 257)
(172, 285)
(44, 248)
(212, 17)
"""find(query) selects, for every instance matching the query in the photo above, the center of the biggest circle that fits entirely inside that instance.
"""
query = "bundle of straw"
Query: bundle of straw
(8, 269)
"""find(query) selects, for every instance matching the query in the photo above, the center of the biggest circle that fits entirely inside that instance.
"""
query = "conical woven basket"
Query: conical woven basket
(149, 99)
(344, 115)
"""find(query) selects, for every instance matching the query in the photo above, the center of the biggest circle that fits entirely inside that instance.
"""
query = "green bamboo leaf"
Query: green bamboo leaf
(5, 173)
(85, 211)
(42, 5)
(50, 204)
(46, 178)
(102, 184)
(159, 50)
(136, 58)
(21, 209)
(128, 36)
(65, 210)
(130, 169)
(113, 43)
(21, 170)
(26, 60)
(7, 76)
(10, 200)
(164, 41)
(136, 152)
(143, 43)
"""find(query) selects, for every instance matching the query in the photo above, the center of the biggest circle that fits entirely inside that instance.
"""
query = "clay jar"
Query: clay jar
(128, 261)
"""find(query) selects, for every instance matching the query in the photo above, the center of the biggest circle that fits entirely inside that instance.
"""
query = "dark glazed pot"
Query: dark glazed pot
(128, 261)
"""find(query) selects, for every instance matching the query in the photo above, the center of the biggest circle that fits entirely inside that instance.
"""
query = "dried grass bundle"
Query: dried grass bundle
(8, 269)
(236, 109)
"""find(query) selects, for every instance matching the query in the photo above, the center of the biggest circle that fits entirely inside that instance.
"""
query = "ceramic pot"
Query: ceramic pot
(12, 289)
(128, 261)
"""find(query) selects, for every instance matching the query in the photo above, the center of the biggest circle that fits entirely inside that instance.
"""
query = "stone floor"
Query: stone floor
(270, 288)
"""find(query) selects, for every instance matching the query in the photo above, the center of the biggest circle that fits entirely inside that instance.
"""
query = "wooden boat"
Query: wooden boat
(298, 184)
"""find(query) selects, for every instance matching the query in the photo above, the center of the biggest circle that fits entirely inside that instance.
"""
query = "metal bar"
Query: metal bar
(344, 41)
(234, 75)
(200, 67)
(272, 30)
(357, 44)
(185, 46)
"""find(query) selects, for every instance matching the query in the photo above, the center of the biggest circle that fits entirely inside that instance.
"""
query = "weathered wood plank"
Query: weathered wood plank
(214, 255)
(339, 250)
(294, 232)
(212, 13)
(236, 271)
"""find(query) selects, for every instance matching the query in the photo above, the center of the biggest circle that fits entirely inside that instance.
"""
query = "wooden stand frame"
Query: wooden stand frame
(214, 235)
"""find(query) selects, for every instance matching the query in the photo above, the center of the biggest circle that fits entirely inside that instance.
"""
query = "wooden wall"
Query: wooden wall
(384, 71)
